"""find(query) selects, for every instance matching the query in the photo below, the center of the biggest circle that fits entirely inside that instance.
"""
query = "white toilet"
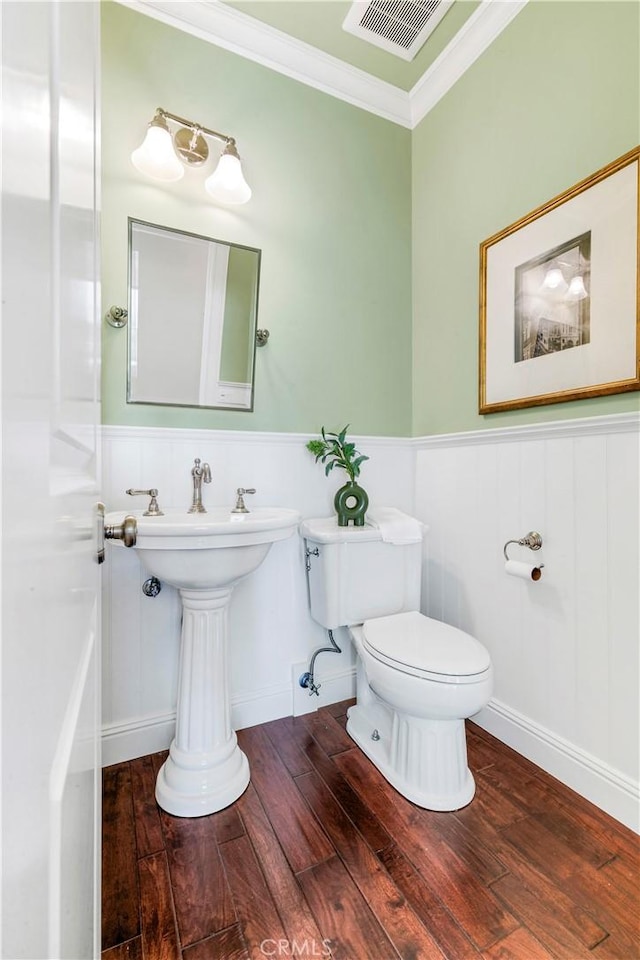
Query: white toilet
(418, 679)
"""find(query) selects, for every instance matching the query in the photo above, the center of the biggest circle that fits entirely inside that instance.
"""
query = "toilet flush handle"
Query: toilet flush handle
(307, 557)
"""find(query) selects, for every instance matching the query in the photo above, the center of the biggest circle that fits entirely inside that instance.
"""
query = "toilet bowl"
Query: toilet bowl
(417, 679)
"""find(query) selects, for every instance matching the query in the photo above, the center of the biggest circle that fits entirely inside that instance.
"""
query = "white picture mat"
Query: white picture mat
(609, 210)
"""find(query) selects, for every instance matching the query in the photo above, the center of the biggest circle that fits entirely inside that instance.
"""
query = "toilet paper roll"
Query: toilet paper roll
(526, 571)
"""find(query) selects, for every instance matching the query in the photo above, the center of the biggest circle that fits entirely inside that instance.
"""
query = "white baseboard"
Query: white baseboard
(150, 734)
(609, 789)
(136, 738)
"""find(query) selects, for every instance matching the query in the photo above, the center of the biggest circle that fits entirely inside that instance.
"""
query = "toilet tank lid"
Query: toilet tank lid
(326, 530)
(413, 640)
(383, 523)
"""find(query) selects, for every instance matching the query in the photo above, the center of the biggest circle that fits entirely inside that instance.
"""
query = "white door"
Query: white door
(50, 470)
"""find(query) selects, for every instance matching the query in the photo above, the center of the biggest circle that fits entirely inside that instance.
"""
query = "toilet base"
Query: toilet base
(425, 760)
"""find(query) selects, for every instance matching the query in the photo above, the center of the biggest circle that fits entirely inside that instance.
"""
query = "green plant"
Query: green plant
(334, 451)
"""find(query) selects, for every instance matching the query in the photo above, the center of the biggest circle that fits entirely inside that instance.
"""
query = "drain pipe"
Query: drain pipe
(306, 680)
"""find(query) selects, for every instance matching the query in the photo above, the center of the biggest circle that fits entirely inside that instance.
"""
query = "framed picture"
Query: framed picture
(560, 296)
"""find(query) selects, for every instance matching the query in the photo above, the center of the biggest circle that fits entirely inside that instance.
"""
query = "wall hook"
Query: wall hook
(261, 337)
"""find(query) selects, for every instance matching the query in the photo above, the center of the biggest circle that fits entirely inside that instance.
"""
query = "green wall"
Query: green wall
(331, 212)
(554, 98)
(366, 228)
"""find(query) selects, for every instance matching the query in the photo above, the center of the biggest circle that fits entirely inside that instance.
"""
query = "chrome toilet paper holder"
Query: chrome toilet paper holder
(532, 540)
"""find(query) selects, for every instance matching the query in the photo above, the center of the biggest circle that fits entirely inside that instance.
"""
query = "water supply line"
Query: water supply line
(306, 680)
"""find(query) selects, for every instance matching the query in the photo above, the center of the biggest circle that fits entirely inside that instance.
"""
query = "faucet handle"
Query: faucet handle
(201, 469)
(153, 510)
(240, 504)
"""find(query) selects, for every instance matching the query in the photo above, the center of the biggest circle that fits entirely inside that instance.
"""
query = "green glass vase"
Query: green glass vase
(351, 503)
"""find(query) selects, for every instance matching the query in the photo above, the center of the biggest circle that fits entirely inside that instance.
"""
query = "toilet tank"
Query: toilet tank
(356, 575)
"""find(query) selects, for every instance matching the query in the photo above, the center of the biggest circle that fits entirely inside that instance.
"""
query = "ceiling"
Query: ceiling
(319, 23)
(304, 39)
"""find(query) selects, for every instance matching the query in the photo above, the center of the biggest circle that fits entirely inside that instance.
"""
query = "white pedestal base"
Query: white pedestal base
(205, 770)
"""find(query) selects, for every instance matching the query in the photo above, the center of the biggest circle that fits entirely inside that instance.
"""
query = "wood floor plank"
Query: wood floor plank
(157, 759)
(131, 950)
(280, 734)
(565, 929)
(429, 908)
(484, 863)
(402, 926)
(159, 933)
(227, 824)
(592, 849)
(257, 914)
(625, 879)
(519, 945)
(302, 840)
(536, 791)
(149, 837)
(544, 849)
(202, 896)
(227, 945)
(340, 708)
(557, 794)
(496, 806)
(357, 811)
(578, 923)
(296, 915)
(327, 731)
(480, 753)
(480, 914)
(121, 905)
(587, 819)
(343, 915)
(613, 948)
(595, 893)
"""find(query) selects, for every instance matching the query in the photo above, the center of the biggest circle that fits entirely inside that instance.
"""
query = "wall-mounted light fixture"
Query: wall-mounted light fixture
(162, 156)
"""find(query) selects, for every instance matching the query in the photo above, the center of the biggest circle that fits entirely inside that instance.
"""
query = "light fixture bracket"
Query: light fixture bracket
(191, 146)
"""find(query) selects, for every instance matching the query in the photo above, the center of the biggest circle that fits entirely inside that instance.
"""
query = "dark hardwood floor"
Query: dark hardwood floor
(321, 857)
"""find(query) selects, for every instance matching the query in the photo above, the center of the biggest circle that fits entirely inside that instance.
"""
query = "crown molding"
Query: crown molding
(480, 30)
(225, 27)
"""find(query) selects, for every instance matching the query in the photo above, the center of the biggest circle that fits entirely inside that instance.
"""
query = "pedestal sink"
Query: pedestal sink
(204, 556)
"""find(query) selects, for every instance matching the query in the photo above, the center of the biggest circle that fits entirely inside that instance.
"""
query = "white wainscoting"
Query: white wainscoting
(271, 631)
(565, 649)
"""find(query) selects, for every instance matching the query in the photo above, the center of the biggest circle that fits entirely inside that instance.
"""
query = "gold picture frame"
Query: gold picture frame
(560, 296)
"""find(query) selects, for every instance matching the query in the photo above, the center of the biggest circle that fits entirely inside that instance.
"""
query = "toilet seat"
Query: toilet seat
(426, 648)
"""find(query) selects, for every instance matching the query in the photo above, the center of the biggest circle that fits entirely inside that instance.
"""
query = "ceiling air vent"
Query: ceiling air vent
(397, 26)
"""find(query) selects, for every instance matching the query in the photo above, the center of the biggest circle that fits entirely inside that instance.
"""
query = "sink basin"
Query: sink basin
(197, 551)
(204, 555)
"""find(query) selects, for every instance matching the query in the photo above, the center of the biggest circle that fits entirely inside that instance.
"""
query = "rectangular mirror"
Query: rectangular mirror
(193, 308)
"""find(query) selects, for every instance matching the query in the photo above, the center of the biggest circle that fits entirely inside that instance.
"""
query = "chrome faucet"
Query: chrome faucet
(199, 472)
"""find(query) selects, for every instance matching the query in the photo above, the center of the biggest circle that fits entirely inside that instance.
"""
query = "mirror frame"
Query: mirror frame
(131, 221)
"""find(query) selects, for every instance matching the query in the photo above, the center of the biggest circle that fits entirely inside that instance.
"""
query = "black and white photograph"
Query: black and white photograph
(552, 301)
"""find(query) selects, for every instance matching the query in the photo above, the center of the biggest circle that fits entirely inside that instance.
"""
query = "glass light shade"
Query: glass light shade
(577, 290)
(156, 157)
(227, 183)
(554, 279)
